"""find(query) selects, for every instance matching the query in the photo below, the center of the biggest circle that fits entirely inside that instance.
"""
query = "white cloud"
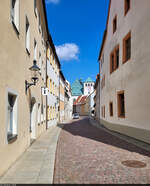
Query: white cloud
(52, 1)
(67, 51)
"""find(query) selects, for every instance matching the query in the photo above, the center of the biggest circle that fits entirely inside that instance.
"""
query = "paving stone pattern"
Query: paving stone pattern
(86, 154)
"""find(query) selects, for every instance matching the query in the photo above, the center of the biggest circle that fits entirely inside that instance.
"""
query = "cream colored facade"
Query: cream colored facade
(25, 119)
(133, 76)
(53, 68)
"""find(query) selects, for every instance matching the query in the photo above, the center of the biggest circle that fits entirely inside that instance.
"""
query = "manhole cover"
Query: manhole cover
(134, 164)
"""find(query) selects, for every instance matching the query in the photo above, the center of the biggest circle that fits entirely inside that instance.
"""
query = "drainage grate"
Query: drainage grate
(134, 163)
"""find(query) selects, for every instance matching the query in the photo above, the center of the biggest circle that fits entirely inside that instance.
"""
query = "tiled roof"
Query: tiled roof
(80, 100)
(77, 88)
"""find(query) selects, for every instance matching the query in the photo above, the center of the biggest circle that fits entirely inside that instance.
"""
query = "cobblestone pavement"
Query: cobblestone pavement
(87, 155)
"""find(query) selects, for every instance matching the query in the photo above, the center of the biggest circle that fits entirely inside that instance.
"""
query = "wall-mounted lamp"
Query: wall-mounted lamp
(34, 75)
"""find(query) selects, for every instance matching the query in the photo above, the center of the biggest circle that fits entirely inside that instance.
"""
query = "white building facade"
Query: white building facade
(88, 86)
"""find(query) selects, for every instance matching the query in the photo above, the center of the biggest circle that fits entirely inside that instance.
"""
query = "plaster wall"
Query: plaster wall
(132, 76)
(14, 65)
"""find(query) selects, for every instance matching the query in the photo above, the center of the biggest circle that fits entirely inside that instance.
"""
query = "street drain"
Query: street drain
(134, 163)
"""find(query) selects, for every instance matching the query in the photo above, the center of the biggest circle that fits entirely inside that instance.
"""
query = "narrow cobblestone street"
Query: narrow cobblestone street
(86, 154)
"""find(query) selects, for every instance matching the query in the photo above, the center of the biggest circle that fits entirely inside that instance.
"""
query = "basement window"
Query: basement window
(121, 105)
(104, 111)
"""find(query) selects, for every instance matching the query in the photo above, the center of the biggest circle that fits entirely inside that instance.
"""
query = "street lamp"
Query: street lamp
(34, 75)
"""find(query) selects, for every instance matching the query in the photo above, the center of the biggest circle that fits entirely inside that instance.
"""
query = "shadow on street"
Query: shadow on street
(83, 128)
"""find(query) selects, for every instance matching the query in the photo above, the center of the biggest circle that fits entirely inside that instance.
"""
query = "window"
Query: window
(50, 86)
(127, 47)
(35, 7)
(15, 14)
(39, 22)
(27, 36)
(53, 88)
(104, 111)
(35, 50)
(114, 59)
(126, 6)
(121, 104)
(12, 117)
(112, 62)
(111, 108)
(117, 57)
(114, 24)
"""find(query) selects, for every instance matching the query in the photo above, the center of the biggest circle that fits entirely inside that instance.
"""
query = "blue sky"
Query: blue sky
(77, 28)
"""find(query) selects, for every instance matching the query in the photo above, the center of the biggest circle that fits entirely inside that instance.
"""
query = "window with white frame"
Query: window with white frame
(35, 8)
(27, 35)
(15, 13)
(35, 49)
(11, 116)
(39, 22)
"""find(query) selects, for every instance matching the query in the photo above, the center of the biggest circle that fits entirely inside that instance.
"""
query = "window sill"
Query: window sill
(121, 116)
(12, 138)
(126, 12)
(15, 28)
(125, 61)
